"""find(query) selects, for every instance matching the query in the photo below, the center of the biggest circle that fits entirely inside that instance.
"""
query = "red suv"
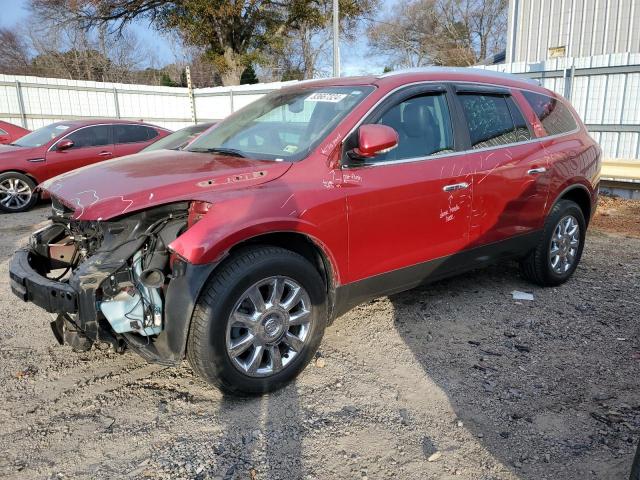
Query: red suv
(64, 146)
(238, 251)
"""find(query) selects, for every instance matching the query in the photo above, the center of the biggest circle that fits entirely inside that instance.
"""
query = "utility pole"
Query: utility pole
(192, 100)
(336, 39)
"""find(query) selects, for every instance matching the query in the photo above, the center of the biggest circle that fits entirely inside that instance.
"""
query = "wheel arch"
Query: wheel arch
(21, 172)
(579, 194)
(305, 246)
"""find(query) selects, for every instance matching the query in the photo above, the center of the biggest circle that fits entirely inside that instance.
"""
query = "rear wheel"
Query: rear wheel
(17, 192)
(558, 254)
(258, 321)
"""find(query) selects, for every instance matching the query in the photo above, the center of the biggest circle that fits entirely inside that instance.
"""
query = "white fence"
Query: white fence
(34, 102)
(605, 90)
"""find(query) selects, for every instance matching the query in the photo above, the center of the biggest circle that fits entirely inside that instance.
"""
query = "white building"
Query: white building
(542, 29)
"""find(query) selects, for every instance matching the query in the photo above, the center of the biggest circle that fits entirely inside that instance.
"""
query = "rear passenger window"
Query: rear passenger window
(552, 113)
(133, 133)
(493, 120)
(423, 125)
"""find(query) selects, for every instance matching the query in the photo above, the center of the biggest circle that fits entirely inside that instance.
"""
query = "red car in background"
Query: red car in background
(10, 132)
(64, 146)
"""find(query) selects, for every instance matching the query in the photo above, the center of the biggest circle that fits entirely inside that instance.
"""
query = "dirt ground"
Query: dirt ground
(453, 380)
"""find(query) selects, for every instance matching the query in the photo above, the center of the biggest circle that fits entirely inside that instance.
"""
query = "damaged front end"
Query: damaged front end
(114, 281)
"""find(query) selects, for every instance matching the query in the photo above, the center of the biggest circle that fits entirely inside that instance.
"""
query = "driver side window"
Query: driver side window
(424, 128)
(90, 136)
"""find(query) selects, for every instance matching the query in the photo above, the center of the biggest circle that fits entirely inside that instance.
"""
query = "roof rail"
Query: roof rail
(475, 71)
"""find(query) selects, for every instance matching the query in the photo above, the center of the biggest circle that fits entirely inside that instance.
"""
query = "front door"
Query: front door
(408, 209)
(90, 145)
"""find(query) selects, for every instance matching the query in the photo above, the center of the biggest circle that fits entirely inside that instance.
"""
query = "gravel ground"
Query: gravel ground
(454, 380)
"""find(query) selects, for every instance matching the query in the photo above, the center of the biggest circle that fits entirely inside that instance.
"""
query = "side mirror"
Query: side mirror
(64, 145)
(374, 139)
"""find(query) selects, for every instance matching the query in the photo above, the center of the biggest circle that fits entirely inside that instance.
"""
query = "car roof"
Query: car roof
(99, 121)
(443, 74)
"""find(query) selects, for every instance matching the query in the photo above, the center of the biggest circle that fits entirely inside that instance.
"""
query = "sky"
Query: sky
(355, 58)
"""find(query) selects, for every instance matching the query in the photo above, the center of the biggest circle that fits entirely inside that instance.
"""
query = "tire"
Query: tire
(215, 333)
(538, 266)
(17, 192)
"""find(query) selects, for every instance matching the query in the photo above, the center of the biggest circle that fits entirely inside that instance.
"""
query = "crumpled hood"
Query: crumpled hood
(135, 182)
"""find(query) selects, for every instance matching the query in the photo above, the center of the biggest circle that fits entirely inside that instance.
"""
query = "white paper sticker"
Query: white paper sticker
(325, 97)
(62, 127)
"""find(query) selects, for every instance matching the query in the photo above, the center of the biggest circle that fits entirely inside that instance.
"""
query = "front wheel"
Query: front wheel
(17, 192)
(559, 251)
(258, 321)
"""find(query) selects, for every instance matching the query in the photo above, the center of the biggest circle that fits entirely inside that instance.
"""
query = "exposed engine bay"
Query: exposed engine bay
(118, 272)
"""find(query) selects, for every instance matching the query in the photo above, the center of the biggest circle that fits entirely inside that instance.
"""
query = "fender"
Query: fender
(234, 220)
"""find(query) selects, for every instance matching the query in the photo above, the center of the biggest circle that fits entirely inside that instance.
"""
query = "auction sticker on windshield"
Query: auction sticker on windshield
(326, 97)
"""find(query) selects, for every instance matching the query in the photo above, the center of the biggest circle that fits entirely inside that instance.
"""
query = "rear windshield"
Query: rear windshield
(283, 125)
(42, 136)
(552, 113)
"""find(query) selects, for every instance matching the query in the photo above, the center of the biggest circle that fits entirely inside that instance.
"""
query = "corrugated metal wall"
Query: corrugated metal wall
(584, 27)
(35, 102)
(604, 89)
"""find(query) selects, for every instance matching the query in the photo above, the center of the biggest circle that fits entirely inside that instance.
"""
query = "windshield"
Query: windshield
(283, 125)
(178, 139)
(43, 135)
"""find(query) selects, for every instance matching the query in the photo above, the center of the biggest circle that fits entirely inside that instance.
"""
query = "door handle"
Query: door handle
(105, 154)
(536, 171)
(455, 186)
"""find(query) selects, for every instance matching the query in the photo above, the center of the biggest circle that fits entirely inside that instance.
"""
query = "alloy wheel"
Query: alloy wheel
(14, 193)
(565, 242)
(269, 326)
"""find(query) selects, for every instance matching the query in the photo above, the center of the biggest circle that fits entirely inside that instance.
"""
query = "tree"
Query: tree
(248, 76)
(233, 34)
(441, 32)
(14, 54)
(165, 81)
(305, 47)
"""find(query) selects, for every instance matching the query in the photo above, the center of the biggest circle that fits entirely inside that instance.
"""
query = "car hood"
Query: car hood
(10, 151)
(135, 182)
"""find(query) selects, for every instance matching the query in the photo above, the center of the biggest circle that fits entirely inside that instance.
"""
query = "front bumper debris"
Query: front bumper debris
(30, 286)
(105, 273)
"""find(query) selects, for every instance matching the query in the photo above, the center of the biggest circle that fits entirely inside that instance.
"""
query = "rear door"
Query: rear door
(412, 204)
(511, 179)
(130, 138)
(91, 144)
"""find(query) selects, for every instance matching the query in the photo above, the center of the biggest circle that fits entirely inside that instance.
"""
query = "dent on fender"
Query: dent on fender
(232, 221)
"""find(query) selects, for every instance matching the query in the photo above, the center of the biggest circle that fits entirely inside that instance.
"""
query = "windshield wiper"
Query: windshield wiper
(223, 151)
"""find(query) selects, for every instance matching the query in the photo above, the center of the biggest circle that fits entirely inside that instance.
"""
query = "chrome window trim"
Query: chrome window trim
(50, 149)
(445, 155)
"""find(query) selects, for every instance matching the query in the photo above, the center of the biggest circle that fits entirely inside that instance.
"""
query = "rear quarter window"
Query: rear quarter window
(552, 113)
(493, 120)
(133, 133)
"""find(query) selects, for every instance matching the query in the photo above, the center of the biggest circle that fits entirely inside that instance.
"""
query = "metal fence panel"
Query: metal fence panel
(605, 91)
